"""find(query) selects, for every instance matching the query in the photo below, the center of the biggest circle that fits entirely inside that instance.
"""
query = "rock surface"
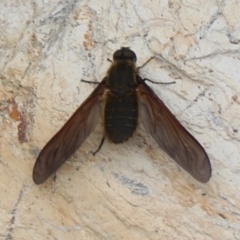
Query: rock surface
(132, 190)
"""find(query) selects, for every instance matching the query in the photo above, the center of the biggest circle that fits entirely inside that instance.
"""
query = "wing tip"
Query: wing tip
(203, 176)
(38, 177)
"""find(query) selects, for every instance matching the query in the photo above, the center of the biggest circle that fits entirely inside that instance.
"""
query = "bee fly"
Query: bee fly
(125, 97)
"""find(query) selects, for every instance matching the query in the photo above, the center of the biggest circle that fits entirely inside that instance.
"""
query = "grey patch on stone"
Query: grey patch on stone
(35, 151)
(136, 187)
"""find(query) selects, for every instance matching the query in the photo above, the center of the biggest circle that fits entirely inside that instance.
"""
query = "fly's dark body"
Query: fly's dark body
(125, 98)
(121, 109)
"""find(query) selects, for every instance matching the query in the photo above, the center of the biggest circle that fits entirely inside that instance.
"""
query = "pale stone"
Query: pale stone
(132, 190)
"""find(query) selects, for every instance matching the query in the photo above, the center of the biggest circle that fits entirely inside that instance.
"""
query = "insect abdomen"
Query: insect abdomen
(121, 114)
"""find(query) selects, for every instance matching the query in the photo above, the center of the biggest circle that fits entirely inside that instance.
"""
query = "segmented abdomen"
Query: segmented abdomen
(121, 116)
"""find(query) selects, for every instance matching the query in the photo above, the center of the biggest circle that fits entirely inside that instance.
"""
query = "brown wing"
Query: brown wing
(70, 137)
(171, 136)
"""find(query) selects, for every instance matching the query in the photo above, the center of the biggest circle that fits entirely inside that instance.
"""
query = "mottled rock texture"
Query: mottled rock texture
(132, 190)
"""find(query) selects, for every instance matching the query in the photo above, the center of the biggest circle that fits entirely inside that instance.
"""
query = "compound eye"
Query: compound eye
(125, 54)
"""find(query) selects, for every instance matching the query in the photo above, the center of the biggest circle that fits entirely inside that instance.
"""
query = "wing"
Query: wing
(70, 137)
(171, 136)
